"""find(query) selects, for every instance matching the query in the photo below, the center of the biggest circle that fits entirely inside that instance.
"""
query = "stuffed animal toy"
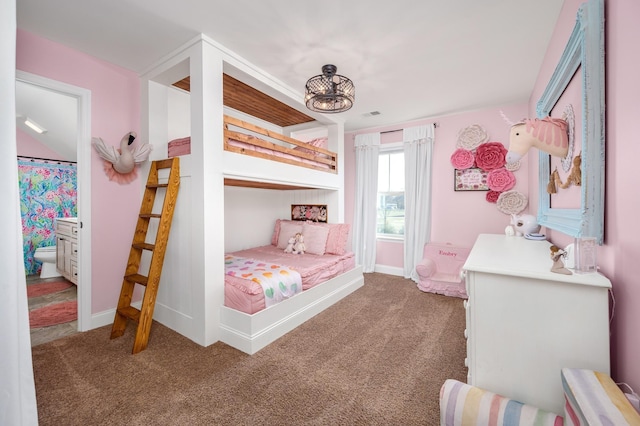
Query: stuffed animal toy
(289, 248)
(299, 247)
(550, 135)
(119, 164)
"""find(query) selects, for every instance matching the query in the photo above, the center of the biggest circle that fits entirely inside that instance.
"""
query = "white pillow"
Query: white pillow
(287, 230)
(315, 238)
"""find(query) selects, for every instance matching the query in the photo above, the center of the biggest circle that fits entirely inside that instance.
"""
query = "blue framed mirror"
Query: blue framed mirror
(582, 59)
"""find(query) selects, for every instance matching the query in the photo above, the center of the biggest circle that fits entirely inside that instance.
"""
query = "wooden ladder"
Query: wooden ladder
(144, 315)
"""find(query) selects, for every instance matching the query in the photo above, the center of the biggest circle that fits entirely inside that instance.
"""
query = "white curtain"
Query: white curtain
(418, 154)
(364, 220)
(17, 388)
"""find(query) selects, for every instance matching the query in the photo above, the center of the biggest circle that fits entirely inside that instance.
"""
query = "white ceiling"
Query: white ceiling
(54, 112)
(409, 59)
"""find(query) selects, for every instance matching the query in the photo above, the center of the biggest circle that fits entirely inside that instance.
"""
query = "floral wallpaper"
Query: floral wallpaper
(48, 190)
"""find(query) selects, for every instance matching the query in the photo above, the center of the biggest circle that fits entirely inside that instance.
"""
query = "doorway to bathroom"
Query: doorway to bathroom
(76, 147)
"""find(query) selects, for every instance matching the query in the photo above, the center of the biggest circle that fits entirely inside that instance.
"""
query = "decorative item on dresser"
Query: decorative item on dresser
(67, 248)
(525, 323)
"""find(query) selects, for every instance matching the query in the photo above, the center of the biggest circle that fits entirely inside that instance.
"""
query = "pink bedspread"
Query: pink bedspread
(248, 296)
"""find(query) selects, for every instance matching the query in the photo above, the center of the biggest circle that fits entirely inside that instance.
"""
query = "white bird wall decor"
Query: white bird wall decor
(120, 164)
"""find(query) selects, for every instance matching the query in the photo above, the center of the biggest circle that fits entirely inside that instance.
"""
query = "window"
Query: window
(390, 222)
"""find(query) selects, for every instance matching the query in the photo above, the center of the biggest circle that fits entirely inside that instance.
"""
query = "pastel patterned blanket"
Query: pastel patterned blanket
(278, 282)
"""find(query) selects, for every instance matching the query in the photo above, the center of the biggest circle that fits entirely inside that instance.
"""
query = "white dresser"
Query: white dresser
(525, 323)
(67, 248)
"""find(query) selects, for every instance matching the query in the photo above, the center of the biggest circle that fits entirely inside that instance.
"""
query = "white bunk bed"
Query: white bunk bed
(255, 168)
(191, 296)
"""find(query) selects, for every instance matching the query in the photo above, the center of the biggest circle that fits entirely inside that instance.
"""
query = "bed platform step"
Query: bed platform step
(251, 332)
(125, 312)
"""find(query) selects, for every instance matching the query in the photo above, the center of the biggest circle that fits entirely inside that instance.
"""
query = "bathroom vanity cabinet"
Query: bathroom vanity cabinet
(525, 323)
(67, 248)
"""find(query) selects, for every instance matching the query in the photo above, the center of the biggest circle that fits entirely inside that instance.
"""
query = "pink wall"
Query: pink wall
(30, 147)
(458, 217)
(115, 110)
(621, 250)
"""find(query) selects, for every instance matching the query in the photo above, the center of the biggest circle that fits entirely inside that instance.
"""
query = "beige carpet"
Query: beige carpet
(378, 357)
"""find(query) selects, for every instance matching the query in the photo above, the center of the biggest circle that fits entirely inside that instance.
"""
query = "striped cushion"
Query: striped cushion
(462, 404)
(592, 398)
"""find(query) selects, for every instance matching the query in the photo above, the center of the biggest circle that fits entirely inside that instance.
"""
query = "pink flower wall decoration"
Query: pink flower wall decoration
(474, 159)
(490, 156)
(462, 159)
(492, 196)
(500, 180)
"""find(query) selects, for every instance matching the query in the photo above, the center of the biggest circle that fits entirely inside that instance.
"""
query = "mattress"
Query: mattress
(247, 296)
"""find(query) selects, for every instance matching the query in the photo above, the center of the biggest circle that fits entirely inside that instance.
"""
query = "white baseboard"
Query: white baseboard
(102, 318)
(389, 270)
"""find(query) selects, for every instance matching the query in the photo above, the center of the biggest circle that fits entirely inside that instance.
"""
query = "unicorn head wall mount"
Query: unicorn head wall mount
(548, 134)
(555, 136)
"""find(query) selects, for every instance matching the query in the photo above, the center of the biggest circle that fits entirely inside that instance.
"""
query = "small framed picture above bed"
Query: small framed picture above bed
(313, 212)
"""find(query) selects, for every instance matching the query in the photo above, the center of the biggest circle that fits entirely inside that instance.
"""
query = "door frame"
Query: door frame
(83, 146)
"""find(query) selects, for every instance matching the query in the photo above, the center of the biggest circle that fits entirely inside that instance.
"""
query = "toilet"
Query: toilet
(47, 255)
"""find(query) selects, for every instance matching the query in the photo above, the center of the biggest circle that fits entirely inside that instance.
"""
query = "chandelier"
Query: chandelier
(329, 92)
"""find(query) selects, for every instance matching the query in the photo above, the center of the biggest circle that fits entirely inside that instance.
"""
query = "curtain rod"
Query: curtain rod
(435, 124)
(46, 160)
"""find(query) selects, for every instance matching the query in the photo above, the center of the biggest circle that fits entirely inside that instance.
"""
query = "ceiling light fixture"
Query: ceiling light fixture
(329, 92)
(34, 126)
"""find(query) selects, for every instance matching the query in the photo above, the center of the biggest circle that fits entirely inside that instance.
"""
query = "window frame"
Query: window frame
(389, 148)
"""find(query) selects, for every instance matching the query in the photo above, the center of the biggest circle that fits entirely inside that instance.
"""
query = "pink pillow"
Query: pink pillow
(315, 238)
(276, 233)
(338, 238)
(288, 230)
(319, 143)
(276, 230)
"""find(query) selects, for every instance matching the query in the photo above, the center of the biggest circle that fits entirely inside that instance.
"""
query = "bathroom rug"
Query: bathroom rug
(41, 289)
(54, 314)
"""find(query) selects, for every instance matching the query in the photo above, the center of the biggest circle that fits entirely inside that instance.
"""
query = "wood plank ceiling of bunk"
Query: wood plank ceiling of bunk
(244, 98)
(260, 185)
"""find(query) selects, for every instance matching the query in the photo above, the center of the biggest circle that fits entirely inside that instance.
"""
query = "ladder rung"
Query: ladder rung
(144, 246)
(137, 278)
(130, 312)
(157, 185)
(150, 215)
(164, 164)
